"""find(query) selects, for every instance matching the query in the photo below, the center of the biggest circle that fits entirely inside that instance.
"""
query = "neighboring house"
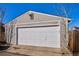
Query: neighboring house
(38, 29)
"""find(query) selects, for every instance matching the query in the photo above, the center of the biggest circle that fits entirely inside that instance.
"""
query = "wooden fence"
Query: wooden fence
(74, 40)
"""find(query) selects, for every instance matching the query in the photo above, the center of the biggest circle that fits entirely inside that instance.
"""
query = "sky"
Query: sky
(13, 10)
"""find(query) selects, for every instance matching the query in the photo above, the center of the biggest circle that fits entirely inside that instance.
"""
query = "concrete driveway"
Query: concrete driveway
(3, 53)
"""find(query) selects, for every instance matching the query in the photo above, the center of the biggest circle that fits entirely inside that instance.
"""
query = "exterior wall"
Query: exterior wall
(26, 22)
(63, 34)
(39, 20)
(10, 33)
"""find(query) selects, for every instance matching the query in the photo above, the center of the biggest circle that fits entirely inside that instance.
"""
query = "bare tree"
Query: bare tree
(2, 12)
(64, 12)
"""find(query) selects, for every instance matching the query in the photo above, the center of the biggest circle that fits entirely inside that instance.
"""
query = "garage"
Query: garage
(37, 32)
(39, 36)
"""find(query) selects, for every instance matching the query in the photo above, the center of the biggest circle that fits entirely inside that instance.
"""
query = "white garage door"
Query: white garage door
(40, 36)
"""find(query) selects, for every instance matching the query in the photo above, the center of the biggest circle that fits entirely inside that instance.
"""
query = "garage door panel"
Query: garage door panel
(43, 36)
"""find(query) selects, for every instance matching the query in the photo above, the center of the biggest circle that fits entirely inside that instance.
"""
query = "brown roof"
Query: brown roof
(75, 28)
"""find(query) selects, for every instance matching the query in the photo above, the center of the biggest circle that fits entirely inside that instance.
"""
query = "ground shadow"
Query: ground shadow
(4, 47)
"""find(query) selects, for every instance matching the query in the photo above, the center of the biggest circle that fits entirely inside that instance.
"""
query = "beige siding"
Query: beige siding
(38, 18)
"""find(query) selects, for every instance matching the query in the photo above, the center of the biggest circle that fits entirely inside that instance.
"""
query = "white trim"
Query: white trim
(47, 14)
